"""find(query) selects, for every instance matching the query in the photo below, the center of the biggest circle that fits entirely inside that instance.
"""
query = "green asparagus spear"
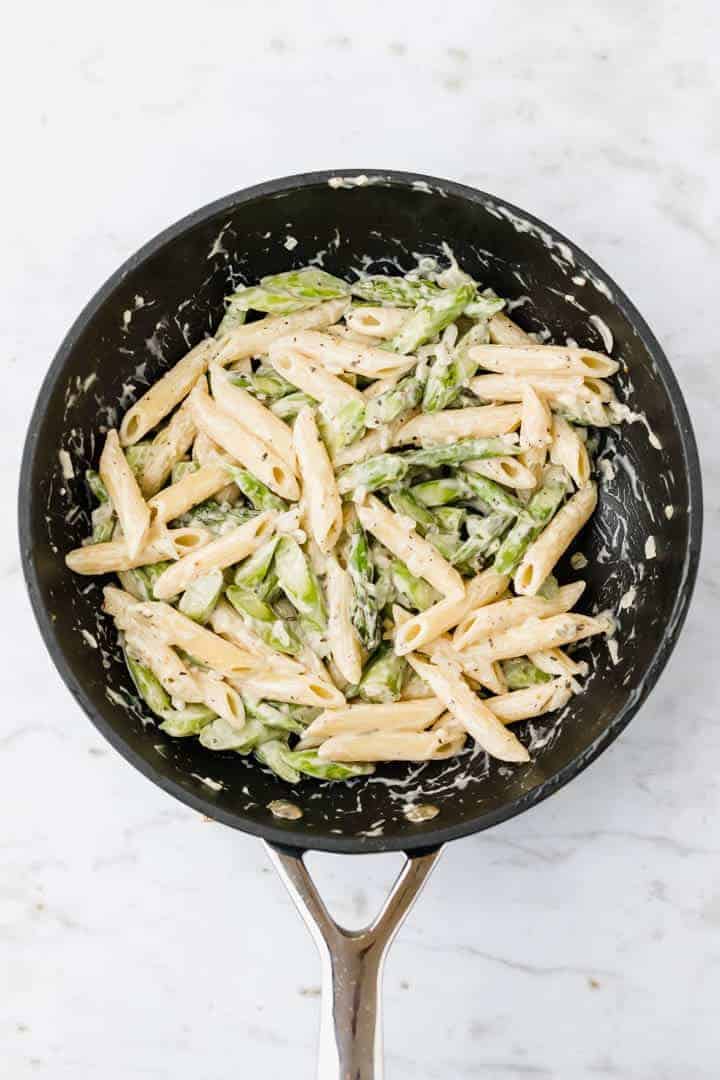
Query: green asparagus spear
(493, 495)
(361, 568)
(396, 401)
(488, 527)
(147, 686)
(383, 677)
(342, 426)
(394, 291)
(373, 473)
(430, 317)
(299, 583)
(200, 598)
(445, 489)
(549, 588)
(188, 721)
(412, 591)
(289, 406)
(528, 525)
(457, 452)
(220, 735)
(295, 290)
(280, 716)
(521, 672)
(103, 523)
(253, 489)
(308, 762)
(484, 306)
(216, 516)
(182, 468)
(263, 620)
(450, 519)
(274, 754)
(97, 488)
(264, 383)
(450, 372)
(253, 570)
(404, 502)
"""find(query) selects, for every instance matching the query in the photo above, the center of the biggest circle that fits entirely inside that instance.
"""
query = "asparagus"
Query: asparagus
(404, 502)
(254, 570)
(289, 406)
(147, 686)
(182, 468)
(484, 306)
(295, 290)
(383, 677)
(521, 672)
(430, 317)
(274, 754)
(456, 452)
(253, 489)
(234, 316)
(394, 291)
(308, 762)
(263, 383)
(200, 598)
(449, 518)
(445, 489)
(361, 568)
(220, 735)
(263, 620)
(103, 516)
(97, 488)
(137, 455)
(341, 427)
(215, 516)
(188, 721)
(449, 372)
(373, 473)
(528, 525)
(412, 591)
(290, 718)
(396, 401)
(493, 495)
(299, 583)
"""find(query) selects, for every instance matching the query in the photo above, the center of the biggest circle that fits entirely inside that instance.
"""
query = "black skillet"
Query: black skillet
(170, 294)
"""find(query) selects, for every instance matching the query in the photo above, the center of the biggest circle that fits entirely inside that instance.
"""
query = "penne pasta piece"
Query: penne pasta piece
(449, 686)
(191, 489)
(169, 446)
(535, 428)
(221, 698)
(358, 719)
(485, 421)
(510, 388)
(299, 689)
(491, 619)
(252, 414)
(344, 645)
(504, 470)
(226, 622)
(398, 534)
(535, 635)
(531, 701)
(217, 555)
(376, 441)
(554, 540)
(201, 643)
(166, 393)
(484, 588)
(376, 322)
(569, 450)
(383, 746)
(311, 377)
(122, 487)
(514, 360)
(323, 507)
(503, 331)
(261, 460)
(337, 355)
(255, 339)
(112, 557)
(346, 334)
(556, 662)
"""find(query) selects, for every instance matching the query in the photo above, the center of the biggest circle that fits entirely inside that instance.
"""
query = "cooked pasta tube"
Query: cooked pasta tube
(221, 698)
(336, 355)
(484, 421)
(569, 450)
(376, 322)
(166, 393)
(256, 338)
(383, 746)
(169, 446)
(252, 414)
(484, 588)
(125, 495)
(554, 540)
(176, 629)
(320, 494)
(503, 331)
(535, 635)
(483, 622)
(344, 644)
(312, 378)
(504, 470)
(298, 689)
(509, 360)
(193, 488)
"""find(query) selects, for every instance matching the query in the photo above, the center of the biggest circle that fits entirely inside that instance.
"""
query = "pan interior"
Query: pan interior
(638, 546)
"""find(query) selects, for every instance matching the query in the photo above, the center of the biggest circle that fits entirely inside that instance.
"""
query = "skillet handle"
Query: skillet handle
(352, 964)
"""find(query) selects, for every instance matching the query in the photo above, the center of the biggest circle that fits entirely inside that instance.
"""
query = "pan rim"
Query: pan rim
(292, 835)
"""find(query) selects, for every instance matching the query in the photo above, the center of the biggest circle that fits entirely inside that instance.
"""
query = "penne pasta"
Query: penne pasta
(376, 322)
(535, 635)
(261, 460)
(514, 360)
(383, 746)
(424, 627)
(166, 393)
(221, 698)
(344, 645)
(310, 377)
(503, 331)
(536, 424)
(217, 555)
(320, 494)
(469, 710)
(169, 446)
(256, 338)
(112, 557)
(569, 450)
(122, 487)
(531, 701)
(554, 540)
(358, 719)
(336, 355)
(205, 646)
(504, 470)
(485, 421)
(297, 689)
(193, 488)
(253, 415)
(510, 388)
(491, 619)
(398, 535)
(226, 622)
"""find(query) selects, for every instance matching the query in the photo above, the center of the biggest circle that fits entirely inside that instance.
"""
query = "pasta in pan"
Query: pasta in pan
(336, 525)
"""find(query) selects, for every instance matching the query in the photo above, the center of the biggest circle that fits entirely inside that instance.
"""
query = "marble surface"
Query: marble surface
(581, 940)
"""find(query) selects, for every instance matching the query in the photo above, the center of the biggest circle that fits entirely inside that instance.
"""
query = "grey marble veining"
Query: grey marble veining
(579, 941)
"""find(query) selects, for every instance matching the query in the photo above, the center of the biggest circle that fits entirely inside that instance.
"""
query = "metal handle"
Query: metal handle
(352, 964)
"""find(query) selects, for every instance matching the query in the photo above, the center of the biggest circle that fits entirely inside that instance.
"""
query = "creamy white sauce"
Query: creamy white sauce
(66, 465)
(669, 511)
(627, 599)
(604, 331)
(290, 243)
(650, 548)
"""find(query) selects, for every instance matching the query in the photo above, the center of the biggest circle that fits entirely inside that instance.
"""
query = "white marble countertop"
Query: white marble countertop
(580, 940)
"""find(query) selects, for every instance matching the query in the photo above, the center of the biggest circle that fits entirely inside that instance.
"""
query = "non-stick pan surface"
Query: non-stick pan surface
(645, 536)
